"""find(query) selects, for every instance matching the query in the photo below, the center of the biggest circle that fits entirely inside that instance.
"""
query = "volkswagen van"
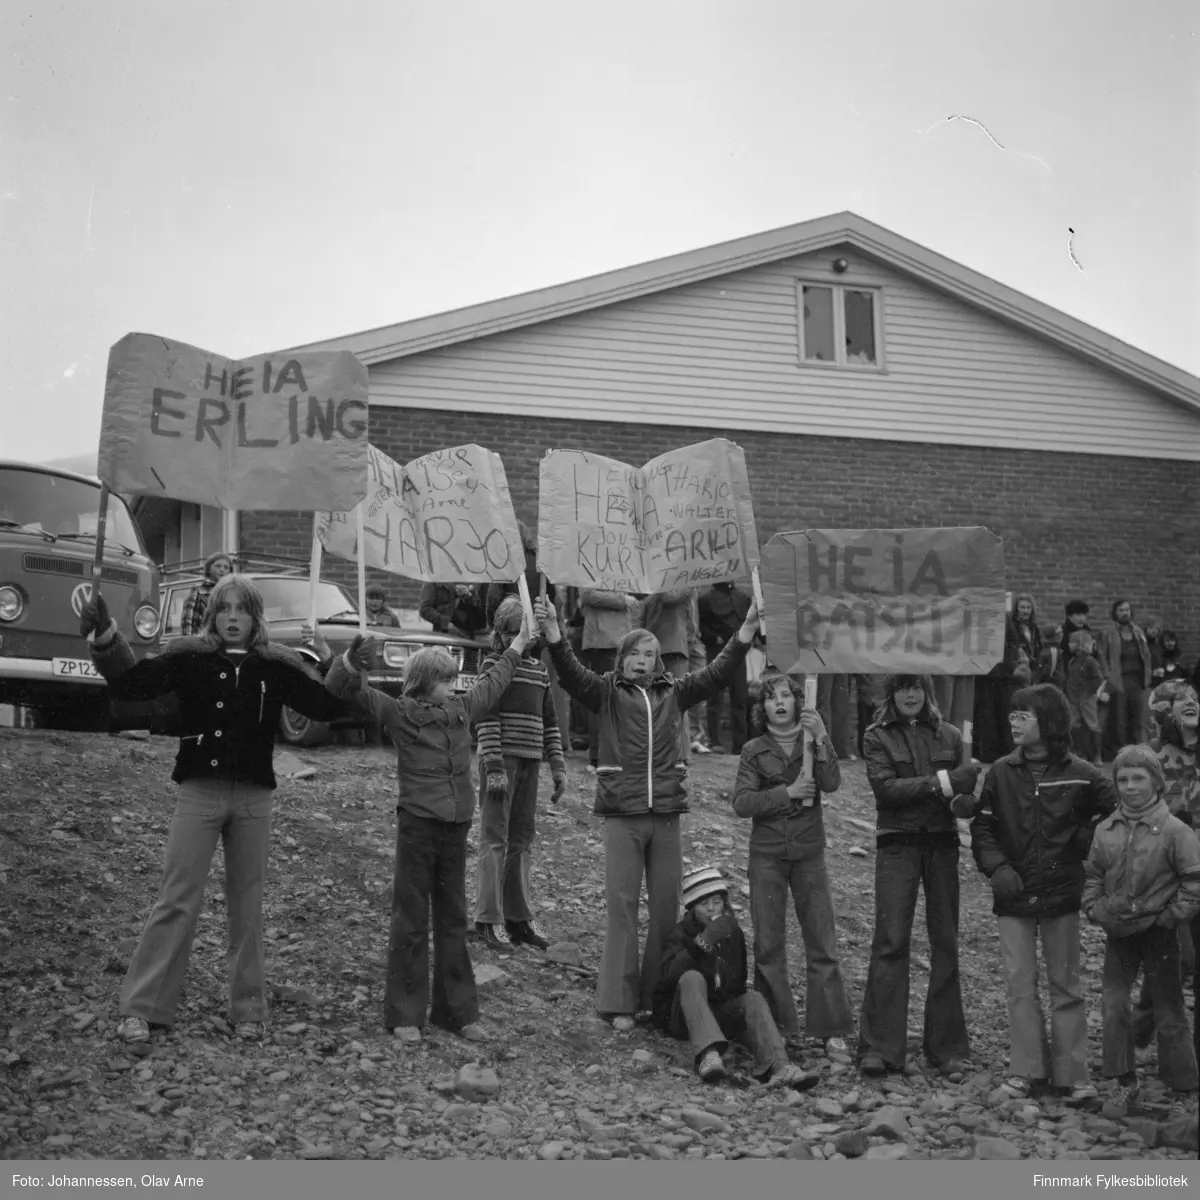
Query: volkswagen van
(48, 521)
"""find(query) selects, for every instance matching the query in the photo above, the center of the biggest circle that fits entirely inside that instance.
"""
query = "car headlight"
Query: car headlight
(11, 603)
(145, 621)
(396, 654)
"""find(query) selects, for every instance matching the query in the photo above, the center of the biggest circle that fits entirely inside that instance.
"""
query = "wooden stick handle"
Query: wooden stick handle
(101, 526)
(810, 701)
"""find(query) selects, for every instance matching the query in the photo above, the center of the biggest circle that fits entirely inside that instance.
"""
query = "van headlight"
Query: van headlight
(396, 654)
(12, 603)
(145, 621)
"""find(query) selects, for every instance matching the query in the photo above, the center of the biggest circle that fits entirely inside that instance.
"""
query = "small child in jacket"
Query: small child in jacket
(1142, 881)
(431, 729)
(1084, 679)
(702, 994)
(513, 741)
(787, 854)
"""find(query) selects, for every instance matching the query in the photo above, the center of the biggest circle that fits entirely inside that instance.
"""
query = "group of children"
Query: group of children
(1143, 866)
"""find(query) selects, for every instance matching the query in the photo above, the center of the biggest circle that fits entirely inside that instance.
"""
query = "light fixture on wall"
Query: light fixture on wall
(840, 266)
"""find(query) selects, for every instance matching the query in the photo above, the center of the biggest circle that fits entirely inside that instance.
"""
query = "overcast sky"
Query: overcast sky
(252, 175)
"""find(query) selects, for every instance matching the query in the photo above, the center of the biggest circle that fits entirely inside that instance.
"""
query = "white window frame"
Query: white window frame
(840, 361)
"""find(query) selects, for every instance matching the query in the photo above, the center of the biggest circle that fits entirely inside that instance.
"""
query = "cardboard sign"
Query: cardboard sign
(684, 520)
(445, 517)
(879, 601)
(275, 432)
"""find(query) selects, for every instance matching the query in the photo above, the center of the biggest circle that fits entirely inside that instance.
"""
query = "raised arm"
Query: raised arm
(575, 679)
(488, 688)
(700, 685)
(128, 679)
(307, 694)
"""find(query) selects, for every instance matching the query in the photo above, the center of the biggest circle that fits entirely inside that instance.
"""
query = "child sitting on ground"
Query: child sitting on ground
(702, 993)
(1142, 881)
(1084, 679)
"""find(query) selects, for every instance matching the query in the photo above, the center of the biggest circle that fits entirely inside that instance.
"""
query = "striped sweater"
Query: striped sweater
(524, 724)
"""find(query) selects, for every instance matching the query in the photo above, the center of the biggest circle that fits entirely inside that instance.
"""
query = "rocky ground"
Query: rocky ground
(83, 820)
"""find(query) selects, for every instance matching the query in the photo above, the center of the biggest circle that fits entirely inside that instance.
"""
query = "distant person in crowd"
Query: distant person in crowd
(216, 566)
(665, 615)
(533, 579)
(514, 740)
(1076, 616)
(231, 684)
(702, 993)
(723, 608)
(913, 760)
(871, 694)
(1125, 657)
(431, 729)
(1038, 810)
(378, 612)
(697, 661)
(454, 608)
(787, 855)
(833, 703)
(1170, 664)
(1175, 717)
(1046, 670)
(992, 694)
(1082, 685)
(1029, 638)
(1142, 885)
(608, 617)
(640, 792)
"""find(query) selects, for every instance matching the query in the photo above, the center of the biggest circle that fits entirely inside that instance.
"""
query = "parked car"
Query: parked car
(48, 522)
(286, 608)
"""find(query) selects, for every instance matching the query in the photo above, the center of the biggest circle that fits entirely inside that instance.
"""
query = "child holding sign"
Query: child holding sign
(231, 684)
(431, 728)
(640, 793)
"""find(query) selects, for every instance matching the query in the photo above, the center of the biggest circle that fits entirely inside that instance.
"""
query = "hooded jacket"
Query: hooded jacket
(725, 967)
(229, 707)
(1142, 869)
(1043, 830)
(638, 729)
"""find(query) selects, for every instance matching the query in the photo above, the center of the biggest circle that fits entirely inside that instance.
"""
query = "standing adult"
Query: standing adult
(1125, 657)
(665, 615)
(1077, 616)
(913, 765)
(216, 566)
(455, 608)
(607, 618)
(378, 612)
(723, 608)
(697, 660)
(992, 694)
(1029, 639)
(1038, 810)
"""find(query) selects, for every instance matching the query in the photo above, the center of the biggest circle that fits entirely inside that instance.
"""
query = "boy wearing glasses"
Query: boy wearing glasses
(1038, 810)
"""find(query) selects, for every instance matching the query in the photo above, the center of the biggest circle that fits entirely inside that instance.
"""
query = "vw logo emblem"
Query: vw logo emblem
(80, 596)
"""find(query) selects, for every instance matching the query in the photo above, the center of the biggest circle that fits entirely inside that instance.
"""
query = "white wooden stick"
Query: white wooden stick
(362, 571)
(810, 701)
(314, 576)
(756, 583)
(526, 602)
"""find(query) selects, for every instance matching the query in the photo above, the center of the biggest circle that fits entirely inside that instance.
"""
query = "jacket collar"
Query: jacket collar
(1018, 759)
(201, 644)
(1156, 814)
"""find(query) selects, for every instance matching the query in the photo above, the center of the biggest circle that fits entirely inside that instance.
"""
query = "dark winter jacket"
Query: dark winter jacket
(1042, 830)
(722, 608)
(638, 768)
(725, 967)
(782, 828)
(1006, 668)
(448, 612)
(433, 741)
(229, 709)
(903, 758)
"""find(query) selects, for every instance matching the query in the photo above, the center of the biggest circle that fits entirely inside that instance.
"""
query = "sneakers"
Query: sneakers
(494, 936)
(699, 746)
(474, 1032)
(409, 1034)
(791, 1076)
(623, 1023)
(836, 1045)
(1079, 1095)
(250, 1031)
(956, 1066)
(133, 1029)
(1125, 1095)
(873, 1065)
(527, 933)
(711, 1067)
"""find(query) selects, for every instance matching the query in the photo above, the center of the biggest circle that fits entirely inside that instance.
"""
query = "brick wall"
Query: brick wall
(1073, 525)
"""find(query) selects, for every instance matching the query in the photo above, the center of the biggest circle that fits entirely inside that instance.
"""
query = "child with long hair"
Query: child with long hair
(787, 854)
(231, 684)
(640, 793)
(431, 729)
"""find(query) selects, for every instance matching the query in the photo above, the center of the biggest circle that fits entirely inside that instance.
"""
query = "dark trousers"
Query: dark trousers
(431, 869)
(900, 871)
(738, 692)
(833, 703)
(1126, 717)
(601, 662)
(992, 698)
(1156, 951)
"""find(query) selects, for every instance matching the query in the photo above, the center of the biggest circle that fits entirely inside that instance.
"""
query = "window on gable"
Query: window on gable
(839, 325)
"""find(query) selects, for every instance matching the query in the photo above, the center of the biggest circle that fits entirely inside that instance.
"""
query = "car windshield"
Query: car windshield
(43, 502)
(287, 599)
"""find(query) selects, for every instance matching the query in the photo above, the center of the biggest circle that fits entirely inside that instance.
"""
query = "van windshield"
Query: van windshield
(43, 502)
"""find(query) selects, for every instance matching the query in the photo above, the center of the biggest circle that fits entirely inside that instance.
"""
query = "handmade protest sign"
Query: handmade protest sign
(881, 601)
(445, 517)
(684, 520)
(281, 431)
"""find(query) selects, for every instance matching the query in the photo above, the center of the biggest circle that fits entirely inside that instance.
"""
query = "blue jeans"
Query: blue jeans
(827, 1013)
(239, 814)
(431, 871)
(900, 871)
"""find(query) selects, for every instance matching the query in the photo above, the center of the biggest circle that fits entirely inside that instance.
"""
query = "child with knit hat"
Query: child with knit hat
(1142, 881)
(702, 992)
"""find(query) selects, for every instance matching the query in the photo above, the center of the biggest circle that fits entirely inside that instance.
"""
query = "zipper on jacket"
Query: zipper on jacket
(649, 747)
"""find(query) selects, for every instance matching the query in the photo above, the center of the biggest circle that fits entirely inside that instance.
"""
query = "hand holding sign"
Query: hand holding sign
(362, 652)
(547, 619)
(93, 616)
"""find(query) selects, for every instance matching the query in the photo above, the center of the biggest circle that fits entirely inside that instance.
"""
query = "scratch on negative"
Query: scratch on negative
(988, 134)
(1071, 251)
